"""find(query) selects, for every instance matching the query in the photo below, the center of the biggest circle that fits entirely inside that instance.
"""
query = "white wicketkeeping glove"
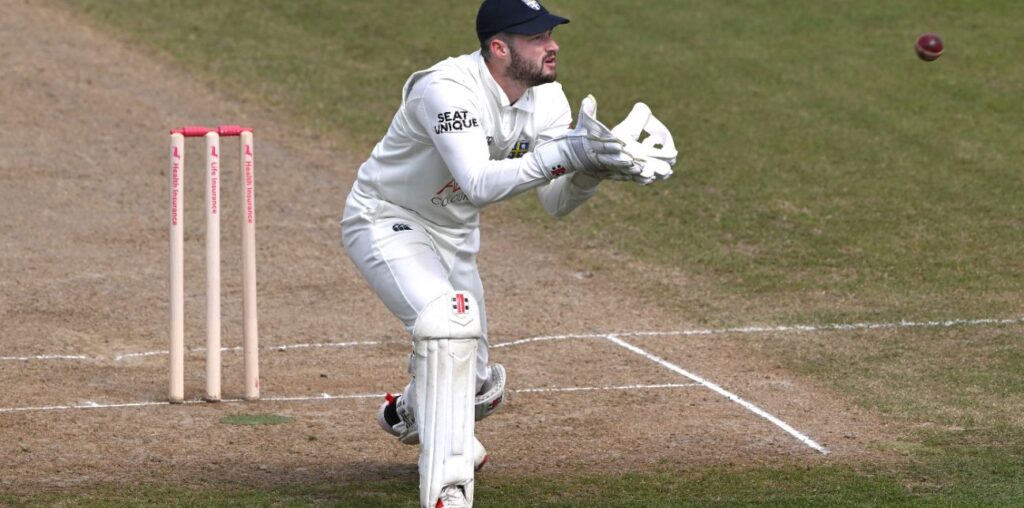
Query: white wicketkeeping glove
(656, 154)
(587, 148)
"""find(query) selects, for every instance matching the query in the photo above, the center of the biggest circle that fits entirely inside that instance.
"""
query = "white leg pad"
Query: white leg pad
(445, 339)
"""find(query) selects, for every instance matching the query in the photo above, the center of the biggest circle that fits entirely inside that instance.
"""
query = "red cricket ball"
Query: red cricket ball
(928, 47)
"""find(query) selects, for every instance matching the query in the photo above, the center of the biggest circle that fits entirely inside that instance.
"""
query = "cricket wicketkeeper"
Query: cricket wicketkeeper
(471, 131)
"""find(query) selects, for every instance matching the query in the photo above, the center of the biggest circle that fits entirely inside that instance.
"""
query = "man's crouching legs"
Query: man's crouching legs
(445, 338)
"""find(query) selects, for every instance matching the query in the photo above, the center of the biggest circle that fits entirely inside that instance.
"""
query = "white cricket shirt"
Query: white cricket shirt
(456, 144)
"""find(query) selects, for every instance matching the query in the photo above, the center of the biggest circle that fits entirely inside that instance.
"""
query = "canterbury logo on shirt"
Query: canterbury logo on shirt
(454, 121)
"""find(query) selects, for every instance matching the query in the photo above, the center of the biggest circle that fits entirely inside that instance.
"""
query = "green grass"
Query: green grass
(825, 175)
(788, 486)
(818, 155)
(925, 485)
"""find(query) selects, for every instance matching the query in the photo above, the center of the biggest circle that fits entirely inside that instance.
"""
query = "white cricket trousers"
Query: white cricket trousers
(409, 264)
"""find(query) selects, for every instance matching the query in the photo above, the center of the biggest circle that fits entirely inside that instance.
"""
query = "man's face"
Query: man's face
(533, 59)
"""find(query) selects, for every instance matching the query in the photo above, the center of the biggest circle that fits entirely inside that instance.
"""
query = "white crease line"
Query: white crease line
(42, 357)
(329, 344)
(147, 353)
(283, 347)
(767, 329)
(721, 391)
(830, 327)
(326, 396)
(709, 331)
(95, 405)
(598, 388)
(84, 405)
(548, 337)
(323, 396)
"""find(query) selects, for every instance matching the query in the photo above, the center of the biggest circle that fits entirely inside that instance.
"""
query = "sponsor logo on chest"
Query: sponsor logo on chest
(450, 194)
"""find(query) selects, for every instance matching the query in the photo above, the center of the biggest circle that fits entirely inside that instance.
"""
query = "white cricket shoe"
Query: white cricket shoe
(390, 418)
(397, 420)
(452, 496)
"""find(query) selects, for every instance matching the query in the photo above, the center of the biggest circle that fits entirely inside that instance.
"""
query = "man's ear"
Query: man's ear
(499, 48)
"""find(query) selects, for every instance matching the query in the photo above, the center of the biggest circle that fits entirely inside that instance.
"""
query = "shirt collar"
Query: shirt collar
(525, 103)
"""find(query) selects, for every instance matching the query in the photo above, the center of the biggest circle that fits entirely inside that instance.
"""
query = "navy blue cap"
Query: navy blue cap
(526, 17)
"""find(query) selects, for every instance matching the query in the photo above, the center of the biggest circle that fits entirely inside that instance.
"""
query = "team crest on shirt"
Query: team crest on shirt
(519, 150)
(450, 194)
(533, 4)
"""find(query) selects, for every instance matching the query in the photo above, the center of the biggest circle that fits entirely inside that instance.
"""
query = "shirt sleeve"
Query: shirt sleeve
(450, 117)
(558, 120)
